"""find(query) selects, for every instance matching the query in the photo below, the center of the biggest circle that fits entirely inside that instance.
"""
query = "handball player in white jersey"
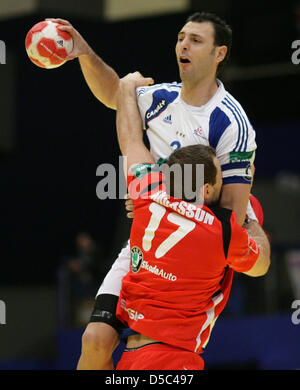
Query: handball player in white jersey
(196, 111)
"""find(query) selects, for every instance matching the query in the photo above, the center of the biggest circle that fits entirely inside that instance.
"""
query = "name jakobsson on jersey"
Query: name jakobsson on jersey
(184, 208)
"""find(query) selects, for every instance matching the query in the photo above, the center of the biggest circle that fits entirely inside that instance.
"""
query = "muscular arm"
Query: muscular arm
(102, 80)
(129, 123)
(235, 197)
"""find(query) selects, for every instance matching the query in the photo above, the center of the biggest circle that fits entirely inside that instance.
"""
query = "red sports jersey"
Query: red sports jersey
(182, 262)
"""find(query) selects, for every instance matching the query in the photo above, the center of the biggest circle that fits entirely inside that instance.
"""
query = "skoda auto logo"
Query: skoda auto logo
(136, 258)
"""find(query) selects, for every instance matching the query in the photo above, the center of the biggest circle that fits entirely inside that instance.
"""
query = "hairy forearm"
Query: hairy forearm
(129, 127)
(129, 123)
(102, 80)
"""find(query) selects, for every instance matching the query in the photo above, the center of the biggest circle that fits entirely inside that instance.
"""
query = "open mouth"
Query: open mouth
(184, 60)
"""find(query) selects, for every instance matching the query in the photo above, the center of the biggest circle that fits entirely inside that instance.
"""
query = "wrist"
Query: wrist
(128, 87)
(88, 53)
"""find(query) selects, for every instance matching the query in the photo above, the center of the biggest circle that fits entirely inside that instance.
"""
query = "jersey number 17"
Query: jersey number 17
(185, 226)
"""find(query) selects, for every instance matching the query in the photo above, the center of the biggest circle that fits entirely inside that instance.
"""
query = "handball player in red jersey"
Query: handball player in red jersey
(183, 254)
(198, 110)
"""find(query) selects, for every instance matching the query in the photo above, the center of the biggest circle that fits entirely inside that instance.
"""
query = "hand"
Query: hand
(80, 47)
(254, 210)
(129, 206)
(135, 80)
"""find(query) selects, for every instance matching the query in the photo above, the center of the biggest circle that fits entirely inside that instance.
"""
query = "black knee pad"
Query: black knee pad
(105, 311)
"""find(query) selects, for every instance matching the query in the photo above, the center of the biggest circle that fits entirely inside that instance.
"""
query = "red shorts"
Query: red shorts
(159, 357)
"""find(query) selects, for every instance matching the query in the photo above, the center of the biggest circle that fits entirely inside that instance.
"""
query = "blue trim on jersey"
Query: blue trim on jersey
(240, 121)
(161, 99)
(235, 165)
(239, 126)
(236, 179)
(218, 123)
(243, 121)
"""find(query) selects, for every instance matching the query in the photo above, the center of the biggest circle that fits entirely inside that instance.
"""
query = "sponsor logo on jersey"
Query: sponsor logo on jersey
(159, 272)
(168, 119)
(161, 98)
(157, 109)
(132, 314)
(136, 259)
(240, 156)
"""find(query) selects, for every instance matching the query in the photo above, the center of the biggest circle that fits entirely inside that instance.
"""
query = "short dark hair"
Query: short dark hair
(193, 155)
(223, 32)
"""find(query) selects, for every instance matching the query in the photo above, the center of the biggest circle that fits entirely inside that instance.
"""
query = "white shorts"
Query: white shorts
(112, 282)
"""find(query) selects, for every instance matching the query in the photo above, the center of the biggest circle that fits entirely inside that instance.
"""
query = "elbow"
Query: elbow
(109, 103)
(261, 268)
(265, 268)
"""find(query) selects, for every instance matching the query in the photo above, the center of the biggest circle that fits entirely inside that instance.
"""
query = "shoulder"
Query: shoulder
(237, 115)
(144, 91)
(229, 126)
(155, 99)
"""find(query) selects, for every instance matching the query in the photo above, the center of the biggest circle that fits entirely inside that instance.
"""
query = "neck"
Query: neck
(199, 93)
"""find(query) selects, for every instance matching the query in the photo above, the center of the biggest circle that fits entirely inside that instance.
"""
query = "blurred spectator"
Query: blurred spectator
(85, 266)
(80, 276)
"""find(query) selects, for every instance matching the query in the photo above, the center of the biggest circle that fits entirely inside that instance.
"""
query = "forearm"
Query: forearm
(102, 80)
(129, 123)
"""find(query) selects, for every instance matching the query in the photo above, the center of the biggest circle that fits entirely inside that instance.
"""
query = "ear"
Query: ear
(221, 53)
(206, 192)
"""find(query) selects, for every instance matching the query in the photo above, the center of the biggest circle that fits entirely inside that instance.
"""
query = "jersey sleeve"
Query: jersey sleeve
(144, 180)
(236, 146)
(243, 250)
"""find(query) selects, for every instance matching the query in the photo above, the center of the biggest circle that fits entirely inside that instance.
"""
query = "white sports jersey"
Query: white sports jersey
(171, 123)
(221, 123)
